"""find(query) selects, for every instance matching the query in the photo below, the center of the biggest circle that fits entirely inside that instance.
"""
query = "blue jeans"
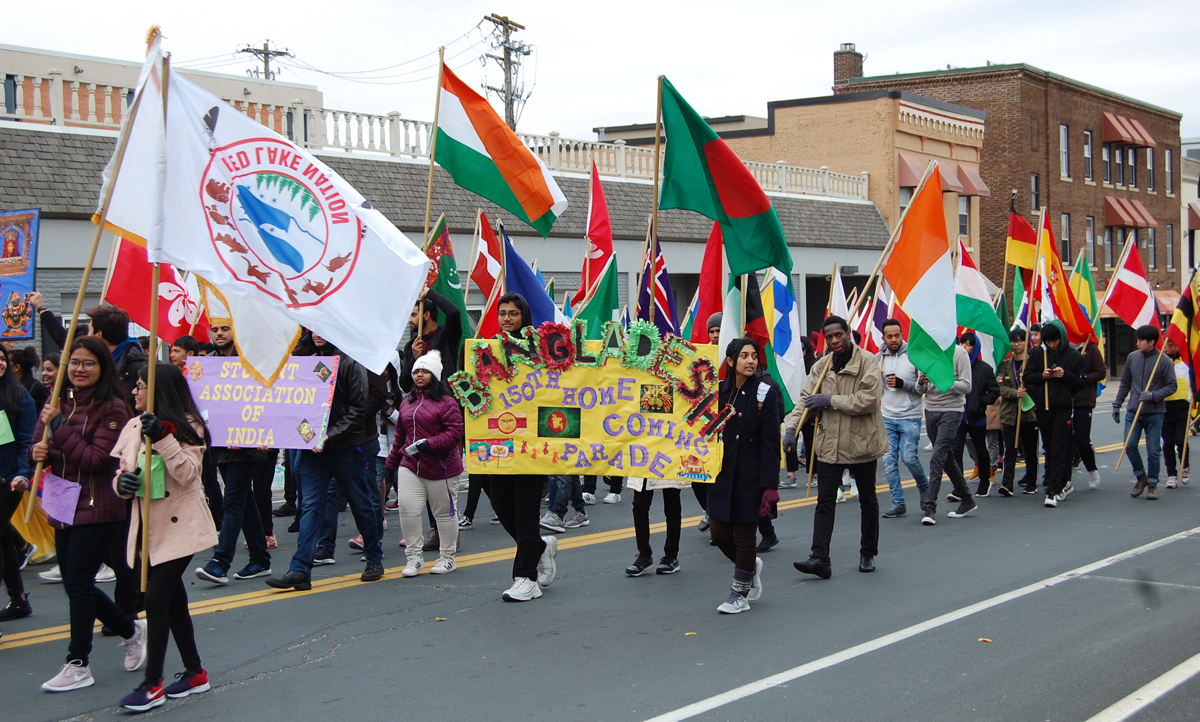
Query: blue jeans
(1151, 426)
(240, 514)
(903, 437)
(328, 538)
(314, 474)
(564, 489)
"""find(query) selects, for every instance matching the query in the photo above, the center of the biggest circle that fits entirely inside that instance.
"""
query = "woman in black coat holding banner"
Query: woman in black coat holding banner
(747, 485)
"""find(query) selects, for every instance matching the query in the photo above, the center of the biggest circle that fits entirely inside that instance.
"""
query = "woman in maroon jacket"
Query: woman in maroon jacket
(427, 456)
(82, 434)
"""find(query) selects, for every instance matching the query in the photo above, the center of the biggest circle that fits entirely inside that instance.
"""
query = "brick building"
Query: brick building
(1106, 166)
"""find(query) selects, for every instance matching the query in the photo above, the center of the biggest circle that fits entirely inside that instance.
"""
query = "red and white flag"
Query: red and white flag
(865, 325)
(179, 312)
(1131, 297)
(599, 238)
(487, 272)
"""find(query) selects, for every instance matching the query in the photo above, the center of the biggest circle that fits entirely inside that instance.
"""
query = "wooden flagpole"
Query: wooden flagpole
(471, 263)
(437, 105)
(1004, 279)
(548, 285)
(1187, 434)
(812, 454)
(654, 214)
(102, 216)
(587, 246)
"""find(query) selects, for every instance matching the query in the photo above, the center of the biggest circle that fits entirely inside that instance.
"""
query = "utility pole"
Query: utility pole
(512, 97)
(265, 54)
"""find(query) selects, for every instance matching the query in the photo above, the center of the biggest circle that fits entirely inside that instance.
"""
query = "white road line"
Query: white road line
(1151, 693)
(720, 700)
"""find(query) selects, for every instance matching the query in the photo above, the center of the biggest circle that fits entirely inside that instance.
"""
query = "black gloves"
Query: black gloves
(418, 447)
(151, 426)
(129, 483)
(1116, 414)
(789, 439)
(818, 401)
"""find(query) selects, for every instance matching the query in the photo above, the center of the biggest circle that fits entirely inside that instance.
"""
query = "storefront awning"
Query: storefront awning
(1127, 131)
(949, 180)
(911, 171)
(1167, 301)
(1194, 216)
(972, 183)
(1128, 213)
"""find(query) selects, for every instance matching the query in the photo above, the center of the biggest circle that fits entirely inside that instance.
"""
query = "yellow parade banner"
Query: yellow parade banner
(632, 404)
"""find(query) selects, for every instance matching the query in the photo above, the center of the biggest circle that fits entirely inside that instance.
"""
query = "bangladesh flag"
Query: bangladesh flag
(558, 422)
(701, 173)
(447, 282)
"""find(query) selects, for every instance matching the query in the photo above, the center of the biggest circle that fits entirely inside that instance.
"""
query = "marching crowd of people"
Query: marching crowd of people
(404, 431)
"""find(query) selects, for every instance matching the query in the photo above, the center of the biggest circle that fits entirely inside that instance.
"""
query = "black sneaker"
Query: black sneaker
(288, 509)
(294, 527)
(639, 565)
(952, 497)
(765, 545)
(895, 511)
(253, 570)
(984, 488)
(212, 572)
(667, 565)
(373, 572)
(18, 608)
(965, 507)
(1030, 490)
(1004, 491)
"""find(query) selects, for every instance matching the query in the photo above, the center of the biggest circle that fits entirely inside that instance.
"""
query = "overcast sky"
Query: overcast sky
(595, 64)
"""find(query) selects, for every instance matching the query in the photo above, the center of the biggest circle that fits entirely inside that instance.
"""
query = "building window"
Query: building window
(1119, 157)
(1091, 240)
(1064, 150)
(1169, 170)
(1152, 247)
(1131, 167)
(964, 216)
(1088, 171)
(1108, 248)
(1171, 246)
(1035, 198)
(1064, 238)
(1106, 161)
(905, 197)
(1131, 236)
(1150, 169)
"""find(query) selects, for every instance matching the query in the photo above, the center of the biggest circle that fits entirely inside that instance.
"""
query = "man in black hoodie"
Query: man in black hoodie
(984, 392)
(1054, 374)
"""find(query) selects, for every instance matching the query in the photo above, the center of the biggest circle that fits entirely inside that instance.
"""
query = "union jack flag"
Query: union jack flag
(665, 317)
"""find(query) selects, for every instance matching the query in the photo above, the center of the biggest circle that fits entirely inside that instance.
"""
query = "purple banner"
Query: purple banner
(240, 412)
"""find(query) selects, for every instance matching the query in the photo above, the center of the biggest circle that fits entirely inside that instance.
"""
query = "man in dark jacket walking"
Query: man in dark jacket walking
(1053, 376)
(984, 392)
(341, 455)
(1149, 377)
(446, 337)
(1094, 371)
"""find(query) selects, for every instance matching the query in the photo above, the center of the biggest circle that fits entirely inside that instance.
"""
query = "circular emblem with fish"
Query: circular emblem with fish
(278, 222)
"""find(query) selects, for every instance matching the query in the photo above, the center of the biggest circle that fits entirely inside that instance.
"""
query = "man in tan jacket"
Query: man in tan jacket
(850, 436)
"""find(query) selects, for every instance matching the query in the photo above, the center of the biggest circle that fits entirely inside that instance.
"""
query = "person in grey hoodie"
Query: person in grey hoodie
(901, 415)
(943, 414)
(1137, 384)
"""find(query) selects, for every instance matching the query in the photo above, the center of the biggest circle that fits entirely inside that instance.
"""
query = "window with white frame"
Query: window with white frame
(1091, 240)
(1106, 161)
(1171, 246)
(1119, 162)
(1088, 170)
(1152, 247)
(1169, 170)
(906, 194)
(1108, 248)
(964, 216)
(1064, 150)
(1131, 167)
(1150, 169)
(1035, 196)
(1064, 238)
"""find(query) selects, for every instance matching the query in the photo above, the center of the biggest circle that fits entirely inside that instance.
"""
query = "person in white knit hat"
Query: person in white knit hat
(427, 458)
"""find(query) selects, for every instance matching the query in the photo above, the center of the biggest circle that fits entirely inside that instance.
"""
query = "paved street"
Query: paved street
(1073, 630)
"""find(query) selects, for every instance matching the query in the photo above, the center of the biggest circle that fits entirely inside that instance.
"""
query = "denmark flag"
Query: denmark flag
(1130, 296)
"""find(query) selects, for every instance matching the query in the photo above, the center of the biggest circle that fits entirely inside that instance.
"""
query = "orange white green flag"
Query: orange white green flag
(921, 273)
(486, 157)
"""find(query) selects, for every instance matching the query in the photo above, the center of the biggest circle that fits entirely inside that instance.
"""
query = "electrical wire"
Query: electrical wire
(377, 80)
(406, 62)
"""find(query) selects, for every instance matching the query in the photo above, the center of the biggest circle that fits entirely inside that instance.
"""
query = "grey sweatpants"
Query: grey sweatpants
(941, 427)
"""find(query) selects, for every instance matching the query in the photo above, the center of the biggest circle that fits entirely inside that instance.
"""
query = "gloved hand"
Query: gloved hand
(1116, 414)
(151, 426)
(789, 439)
(770, 496)
(420, 446)
(129, 483)
(818, 401)
(1146, 397)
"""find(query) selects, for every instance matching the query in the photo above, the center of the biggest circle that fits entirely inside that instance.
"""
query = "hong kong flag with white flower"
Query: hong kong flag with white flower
(128, 287)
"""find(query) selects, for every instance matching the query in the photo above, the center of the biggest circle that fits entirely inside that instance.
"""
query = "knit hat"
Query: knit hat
(431, 362)
(714, 320)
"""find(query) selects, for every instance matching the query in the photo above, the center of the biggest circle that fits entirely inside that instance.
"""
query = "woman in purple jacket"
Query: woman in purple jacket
(427, 456)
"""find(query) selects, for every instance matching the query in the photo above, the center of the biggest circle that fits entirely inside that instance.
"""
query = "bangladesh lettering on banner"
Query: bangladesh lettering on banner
(292, 414)
(634, 403)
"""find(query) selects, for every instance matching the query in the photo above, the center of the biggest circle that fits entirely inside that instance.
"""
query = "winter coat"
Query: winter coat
(903, 401)
(440, 423)
(851, 431)
(1061, 391)
(751, 452)
(955, 398)
(180, 523)
(348, 423)
(1138, 367)
(79, 452)
(984, 390)
(1008, 380)
(14, 456)
(1094, 371)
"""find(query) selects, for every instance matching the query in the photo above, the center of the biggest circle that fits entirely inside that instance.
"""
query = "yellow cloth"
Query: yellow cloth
(1181, 381)
(37, 532)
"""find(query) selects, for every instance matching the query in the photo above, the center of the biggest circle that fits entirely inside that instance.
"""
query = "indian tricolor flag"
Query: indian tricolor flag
(921, 274)
(976, 312)
(485, 156)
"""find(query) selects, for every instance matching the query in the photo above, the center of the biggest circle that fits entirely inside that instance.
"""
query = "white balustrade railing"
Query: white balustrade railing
(51, 100)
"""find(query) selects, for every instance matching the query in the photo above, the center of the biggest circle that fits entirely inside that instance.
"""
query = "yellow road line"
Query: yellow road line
(236, 601)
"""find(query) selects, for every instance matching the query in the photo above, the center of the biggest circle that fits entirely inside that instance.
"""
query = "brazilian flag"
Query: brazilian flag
(558, 422)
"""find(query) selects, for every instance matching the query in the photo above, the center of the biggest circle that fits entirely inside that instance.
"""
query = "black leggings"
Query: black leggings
(1174, 432)
(737, 542)
(81, 550)
(167, 616)
(10, 558)
(478, 483)
(1081, 429)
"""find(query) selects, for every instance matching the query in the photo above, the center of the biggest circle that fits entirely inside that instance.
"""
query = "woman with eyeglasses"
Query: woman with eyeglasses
(83, 432)
(20, 416)
(180, 526)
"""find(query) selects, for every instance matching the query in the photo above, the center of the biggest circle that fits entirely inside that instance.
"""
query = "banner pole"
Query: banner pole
(437, 103)
(471, 263)
(654, 215)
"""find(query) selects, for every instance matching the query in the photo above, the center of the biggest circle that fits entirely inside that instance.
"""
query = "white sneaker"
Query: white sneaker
(612, 498)
(443, 566)
(736, 604)
(841, 495)
(547, 567)
(106, 574)
(928, 520)
(1066, 491)
(413, 566)
(1186, 476)
(756, 583)
(522, 590)
(589, 499)
(73, 675)
(53, 574)
(1094, 479)
(1172, 482)
(1051, 501)
(135, 647)
(552, 522)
